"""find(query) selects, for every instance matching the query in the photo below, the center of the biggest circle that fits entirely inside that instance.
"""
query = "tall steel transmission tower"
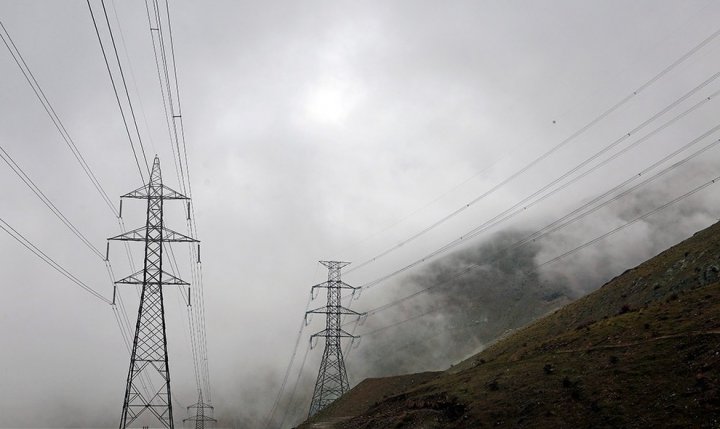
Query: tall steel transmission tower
(332, 381)
(149, 357)
(199, 418)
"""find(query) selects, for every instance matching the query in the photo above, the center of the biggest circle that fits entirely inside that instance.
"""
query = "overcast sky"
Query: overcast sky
(316, 130)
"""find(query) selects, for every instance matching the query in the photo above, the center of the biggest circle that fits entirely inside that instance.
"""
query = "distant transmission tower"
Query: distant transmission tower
(332, 381)
(149, 357)
(199, 416)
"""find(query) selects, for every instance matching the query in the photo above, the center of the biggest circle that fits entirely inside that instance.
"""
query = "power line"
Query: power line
(175, 116)
(522, 206)
(57, 122)
(190, 319)
(133, 79)
(568, 219)
(41, 195)
(554, 226)
(117, 97)
(47, 106)
(578, 103)
(548, 153)
(165, 88)
(161, 62)
(48, 260)
(633, 221)
(203, 331)
(269, 417)
(125, 328)
(271, 414)
(295, 384)
(124, 82)
(552, 260)
(428, 204)
(392, 325)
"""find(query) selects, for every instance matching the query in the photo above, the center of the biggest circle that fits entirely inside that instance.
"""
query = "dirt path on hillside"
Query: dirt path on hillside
(637, 343)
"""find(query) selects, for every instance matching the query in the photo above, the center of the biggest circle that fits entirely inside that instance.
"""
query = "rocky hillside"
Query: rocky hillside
(641, 351)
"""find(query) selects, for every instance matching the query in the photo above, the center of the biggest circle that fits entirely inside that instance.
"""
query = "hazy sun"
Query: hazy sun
(330, 102)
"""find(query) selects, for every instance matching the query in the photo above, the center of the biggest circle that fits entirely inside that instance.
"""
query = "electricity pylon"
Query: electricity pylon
(199, 417)
(332, 381)
(149, 357)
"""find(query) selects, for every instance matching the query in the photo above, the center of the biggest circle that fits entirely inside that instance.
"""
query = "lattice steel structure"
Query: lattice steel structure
(199, 418)
(149, 357)
(332, 381)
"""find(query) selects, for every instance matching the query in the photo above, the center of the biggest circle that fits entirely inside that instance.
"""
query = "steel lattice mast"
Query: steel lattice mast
(332, 381)
(200, 418)
(149, 357)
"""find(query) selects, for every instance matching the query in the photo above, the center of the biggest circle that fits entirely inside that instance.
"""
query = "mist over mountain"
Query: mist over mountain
(469, 298)
(458, 314)
(640, 351)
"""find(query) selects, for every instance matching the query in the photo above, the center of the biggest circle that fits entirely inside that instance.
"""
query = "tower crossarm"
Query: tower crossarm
(330, 333)
(167, 193)
(334, 310)
(202, 405)
(201, 418)
(167, 279)
(333, 285)
(168, 235)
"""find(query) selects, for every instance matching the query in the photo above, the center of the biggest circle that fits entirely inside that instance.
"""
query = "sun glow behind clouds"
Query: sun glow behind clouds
(330, 102)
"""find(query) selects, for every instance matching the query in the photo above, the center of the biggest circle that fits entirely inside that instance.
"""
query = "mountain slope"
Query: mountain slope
(641, 351)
